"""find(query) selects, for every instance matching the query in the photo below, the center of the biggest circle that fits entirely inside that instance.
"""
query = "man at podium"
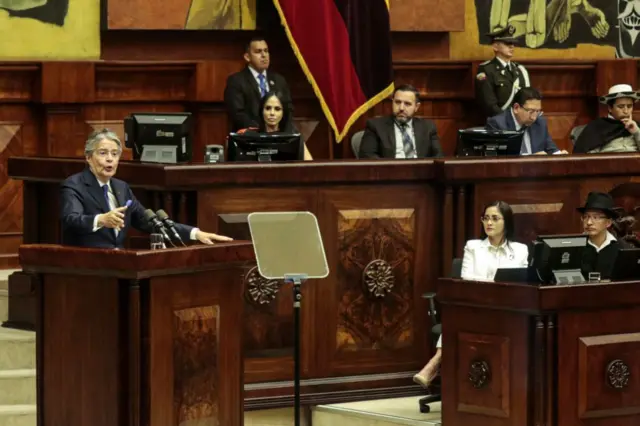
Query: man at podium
(98, 209)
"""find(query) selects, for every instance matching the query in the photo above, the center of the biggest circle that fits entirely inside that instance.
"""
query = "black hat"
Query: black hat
(599, 201)
(505, 35)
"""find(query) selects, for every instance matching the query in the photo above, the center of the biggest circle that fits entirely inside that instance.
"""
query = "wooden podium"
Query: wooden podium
(522, 355)
(138, 338)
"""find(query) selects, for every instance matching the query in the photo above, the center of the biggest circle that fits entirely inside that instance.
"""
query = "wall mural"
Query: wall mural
(50, 29)
(562, 24)
(180, 14)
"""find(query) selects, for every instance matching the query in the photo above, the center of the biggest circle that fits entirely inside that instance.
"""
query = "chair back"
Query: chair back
(456, 268)
(575, 133)
(356, 140)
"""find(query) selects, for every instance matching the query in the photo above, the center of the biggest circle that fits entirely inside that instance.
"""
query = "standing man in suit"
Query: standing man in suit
(401, 135)
(499, 79)
(94, 205)
(246, 88)
(526, 114)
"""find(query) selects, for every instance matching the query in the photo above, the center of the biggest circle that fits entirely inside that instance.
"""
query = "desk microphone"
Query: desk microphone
(157, 225)
(170, 225)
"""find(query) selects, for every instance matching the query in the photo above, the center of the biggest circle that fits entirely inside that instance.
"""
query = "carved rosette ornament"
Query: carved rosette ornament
(618, 374)
(258, 289)
(378, 278)
(479, 374)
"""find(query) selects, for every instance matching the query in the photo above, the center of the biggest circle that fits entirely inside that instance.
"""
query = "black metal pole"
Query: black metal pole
(297, 297)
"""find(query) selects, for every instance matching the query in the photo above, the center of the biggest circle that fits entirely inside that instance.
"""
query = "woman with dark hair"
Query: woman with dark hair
(482, 258)
(275, 117)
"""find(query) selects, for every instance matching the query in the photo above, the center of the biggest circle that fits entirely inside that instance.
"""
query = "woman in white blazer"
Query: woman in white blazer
(482, 258)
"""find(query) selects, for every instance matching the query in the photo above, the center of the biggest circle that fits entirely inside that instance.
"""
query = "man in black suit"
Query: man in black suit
(401, 135)
(246, 88)
(97, 209)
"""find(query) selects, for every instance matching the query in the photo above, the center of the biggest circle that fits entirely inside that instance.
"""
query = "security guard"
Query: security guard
(499, 79)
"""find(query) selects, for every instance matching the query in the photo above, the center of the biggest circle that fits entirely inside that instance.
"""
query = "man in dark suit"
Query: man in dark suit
(499, 79)
(526, 113)
(401, 135)
(95, 207)
(246, 88)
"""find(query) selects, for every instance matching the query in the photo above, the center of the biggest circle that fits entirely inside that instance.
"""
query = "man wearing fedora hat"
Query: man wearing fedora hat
(618, 132)
(499, 79)
(602, 248)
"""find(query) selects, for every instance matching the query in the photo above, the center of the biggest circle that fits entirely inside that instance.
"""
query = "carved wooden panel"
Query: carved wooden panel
(483, 374)
(373, 308)
(607, 376)
(376, 249)
(268, 321)
(10, 195)
(600, 361)
(195, 362)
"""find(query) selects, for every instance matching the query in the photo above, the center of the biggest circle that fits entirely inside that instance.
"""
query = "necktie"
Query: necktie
(105, 190)
(263, 85)
(407, 143)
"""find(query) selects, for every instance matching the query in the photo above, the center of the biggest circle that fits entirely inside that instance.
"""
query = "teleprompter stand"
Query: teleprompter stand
(288, 246)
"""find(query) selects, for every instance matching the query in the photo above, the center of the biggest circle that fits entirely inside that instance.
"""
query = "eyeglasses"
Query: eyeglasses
(588, 217)
(106, 153)
(533, 112)
(494, 219)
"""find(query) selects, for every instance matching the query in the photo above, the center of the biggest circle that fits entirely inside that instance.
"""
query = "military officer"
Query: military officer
(499, 79)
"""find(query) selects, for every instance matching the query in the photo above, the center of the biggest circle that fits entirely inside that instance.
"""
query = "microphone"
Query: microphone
(158, 226)
(170, 225)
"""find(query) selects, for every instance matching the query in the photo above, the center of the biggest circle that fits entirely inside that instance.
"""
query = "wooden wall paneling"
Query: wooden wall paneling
(210, 79)
(376, 236)
(66, 130)
(419, 46)
(158, 82)
(419, 16)
(268, 327)
(211, 126)
(19, 82)
(67, 82)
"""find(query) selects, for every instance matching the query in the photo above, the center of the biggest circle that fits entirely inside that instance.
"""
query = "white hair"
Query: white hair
(98, 136)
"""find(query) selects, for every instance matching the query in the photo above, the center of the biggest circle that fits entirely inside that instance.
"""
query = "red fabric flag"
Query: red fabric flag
(344, 49)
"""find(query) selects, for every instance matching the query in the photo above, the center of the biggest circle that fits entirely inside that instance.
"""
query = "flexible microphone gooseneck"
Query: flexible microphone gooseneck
(170, 225)
(157, 225)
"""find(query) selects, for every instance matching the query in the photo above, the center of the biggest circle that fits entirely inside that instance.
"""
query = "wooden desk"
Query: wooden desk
(378, 219)
(139, 337)
(524, 355)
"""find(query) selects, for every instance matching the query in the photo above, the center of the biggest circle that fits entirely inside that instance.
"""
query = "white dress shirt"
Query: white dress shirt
(608, 240)
(113, 204)
(481, 261)
(399, 142)
(256, 75)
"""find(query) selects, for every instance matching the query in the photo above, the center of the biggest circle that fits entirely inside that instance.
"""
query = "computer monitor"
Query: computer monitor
(480, 142)
(558, 258)
(627, 265)
(265, 147)
(159, 137)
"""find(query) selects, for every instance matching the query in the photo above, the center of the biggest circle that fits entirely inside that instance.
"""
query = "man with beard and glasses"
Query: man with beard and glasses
(401, 135)
(617, 132)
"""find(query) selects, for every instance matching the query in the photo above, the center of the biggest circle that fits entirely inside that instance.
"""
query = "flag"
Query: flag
(344, 49)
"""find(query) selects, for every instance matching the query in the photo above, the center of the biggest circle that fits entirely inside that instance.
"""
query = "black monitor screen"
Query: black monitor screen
(488, 143)
(160, 133)
(265, 147)
(553, 254)
(627, 265)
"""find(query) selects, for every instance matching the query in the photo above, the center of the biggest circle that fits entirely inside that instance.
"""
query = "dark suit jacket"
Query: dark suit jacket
(242, 97)
(82, 199)
(379, 140)
(538, 131)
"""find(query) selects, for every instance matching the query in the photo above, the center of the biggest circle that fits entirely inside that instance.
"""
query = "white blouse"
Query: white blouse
(481, 261)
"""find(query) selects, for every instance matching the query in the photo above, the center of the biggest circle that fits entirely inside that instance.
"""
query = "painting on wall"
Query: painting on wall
(180, 15)
(580, 29)
(49, 29)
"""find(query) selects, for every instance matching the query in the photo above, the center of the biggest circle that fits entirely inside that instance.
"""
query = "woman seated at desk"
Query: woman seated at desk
(482, 258)
(275, 118)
